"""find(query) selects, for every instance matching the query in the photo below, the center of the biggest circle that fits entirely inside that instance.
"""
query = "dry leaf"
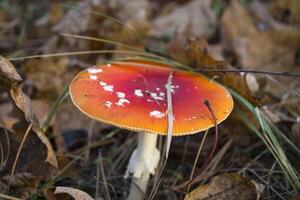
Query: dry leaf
(8, 71)
(76, 21)
(41, 109)
(195, 15)
(7, 120)
(228, 186)
(246, 40)
(21, 184)
(49, 76)
(135, 16)
(76, 194)
(31, 166)
(23, 102)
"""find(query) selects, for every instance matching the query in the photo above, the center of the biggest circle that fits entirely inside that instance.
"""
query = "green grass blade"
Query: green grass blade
(268, 136)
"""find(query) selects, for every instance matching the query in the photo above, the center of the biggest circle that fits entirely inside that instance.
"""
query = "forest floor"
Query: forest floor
(50, 150)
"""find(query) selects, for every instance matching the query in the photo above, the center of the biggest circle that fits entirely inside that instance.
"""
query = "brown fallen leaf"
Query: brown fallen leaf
(8, 71)
(74, 193)
(48, 75)
(279, 10)
(194, 15)
(20, 184)
(78, 19)
(23, 102)
(7, 120)
(245, 40)
(135, 16)
(31, 167)
(228, 186)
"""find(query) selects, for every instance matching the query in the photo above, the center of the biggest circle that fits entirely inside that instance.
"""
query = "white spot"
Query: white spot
(93, 70)
(108, 88)
(156, 114)
(150, 100)
(161, 94)
(153, 94)
(102, 83)
(159, 98)
(108, 65)
(108, 104)
(157, 89)
(93, 77)
(138, 93)
(121, 102)
(120, 94)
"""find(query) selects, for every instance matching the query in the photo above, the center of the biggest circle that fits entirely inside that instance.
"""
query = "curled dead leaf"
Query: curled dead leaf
(75, 193)
(8, 71)
(23, 102)
(228, 186)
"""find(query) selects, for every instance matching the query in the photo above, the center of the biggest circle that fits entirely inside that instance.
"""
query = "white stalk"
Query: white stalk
(142, 163)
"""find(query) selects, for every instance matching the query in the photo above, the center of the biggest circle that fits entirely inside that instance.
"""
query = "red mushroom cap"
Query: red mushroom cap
(133, 95)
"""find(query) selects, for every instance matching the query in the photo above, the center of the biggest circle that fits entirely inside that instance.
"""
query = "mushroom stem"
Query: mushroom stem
(142, 163)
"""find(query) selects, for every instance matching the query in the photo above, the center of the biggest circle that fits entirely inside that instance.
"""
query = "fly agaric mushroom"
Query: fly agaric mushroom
(133, 95)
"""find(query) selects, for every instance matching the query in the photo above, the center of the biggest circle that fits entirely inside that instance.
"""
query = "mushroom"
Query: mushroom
(133, 95)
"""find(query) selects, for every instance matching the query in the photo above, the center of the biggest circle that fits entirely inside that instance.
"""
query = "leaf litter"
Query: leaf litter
(183, 40)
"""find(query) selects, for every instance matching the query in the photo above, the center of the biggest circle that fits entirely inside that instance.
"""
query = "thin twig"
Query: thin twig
(97, 193)
(196, 159)
(4, 158)
(89, 142)
(84, 53)
(100, 40)
(18, 153)
(293, 74)
(292, 92)
(209, 157)
(4, 196)
(103, 175)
